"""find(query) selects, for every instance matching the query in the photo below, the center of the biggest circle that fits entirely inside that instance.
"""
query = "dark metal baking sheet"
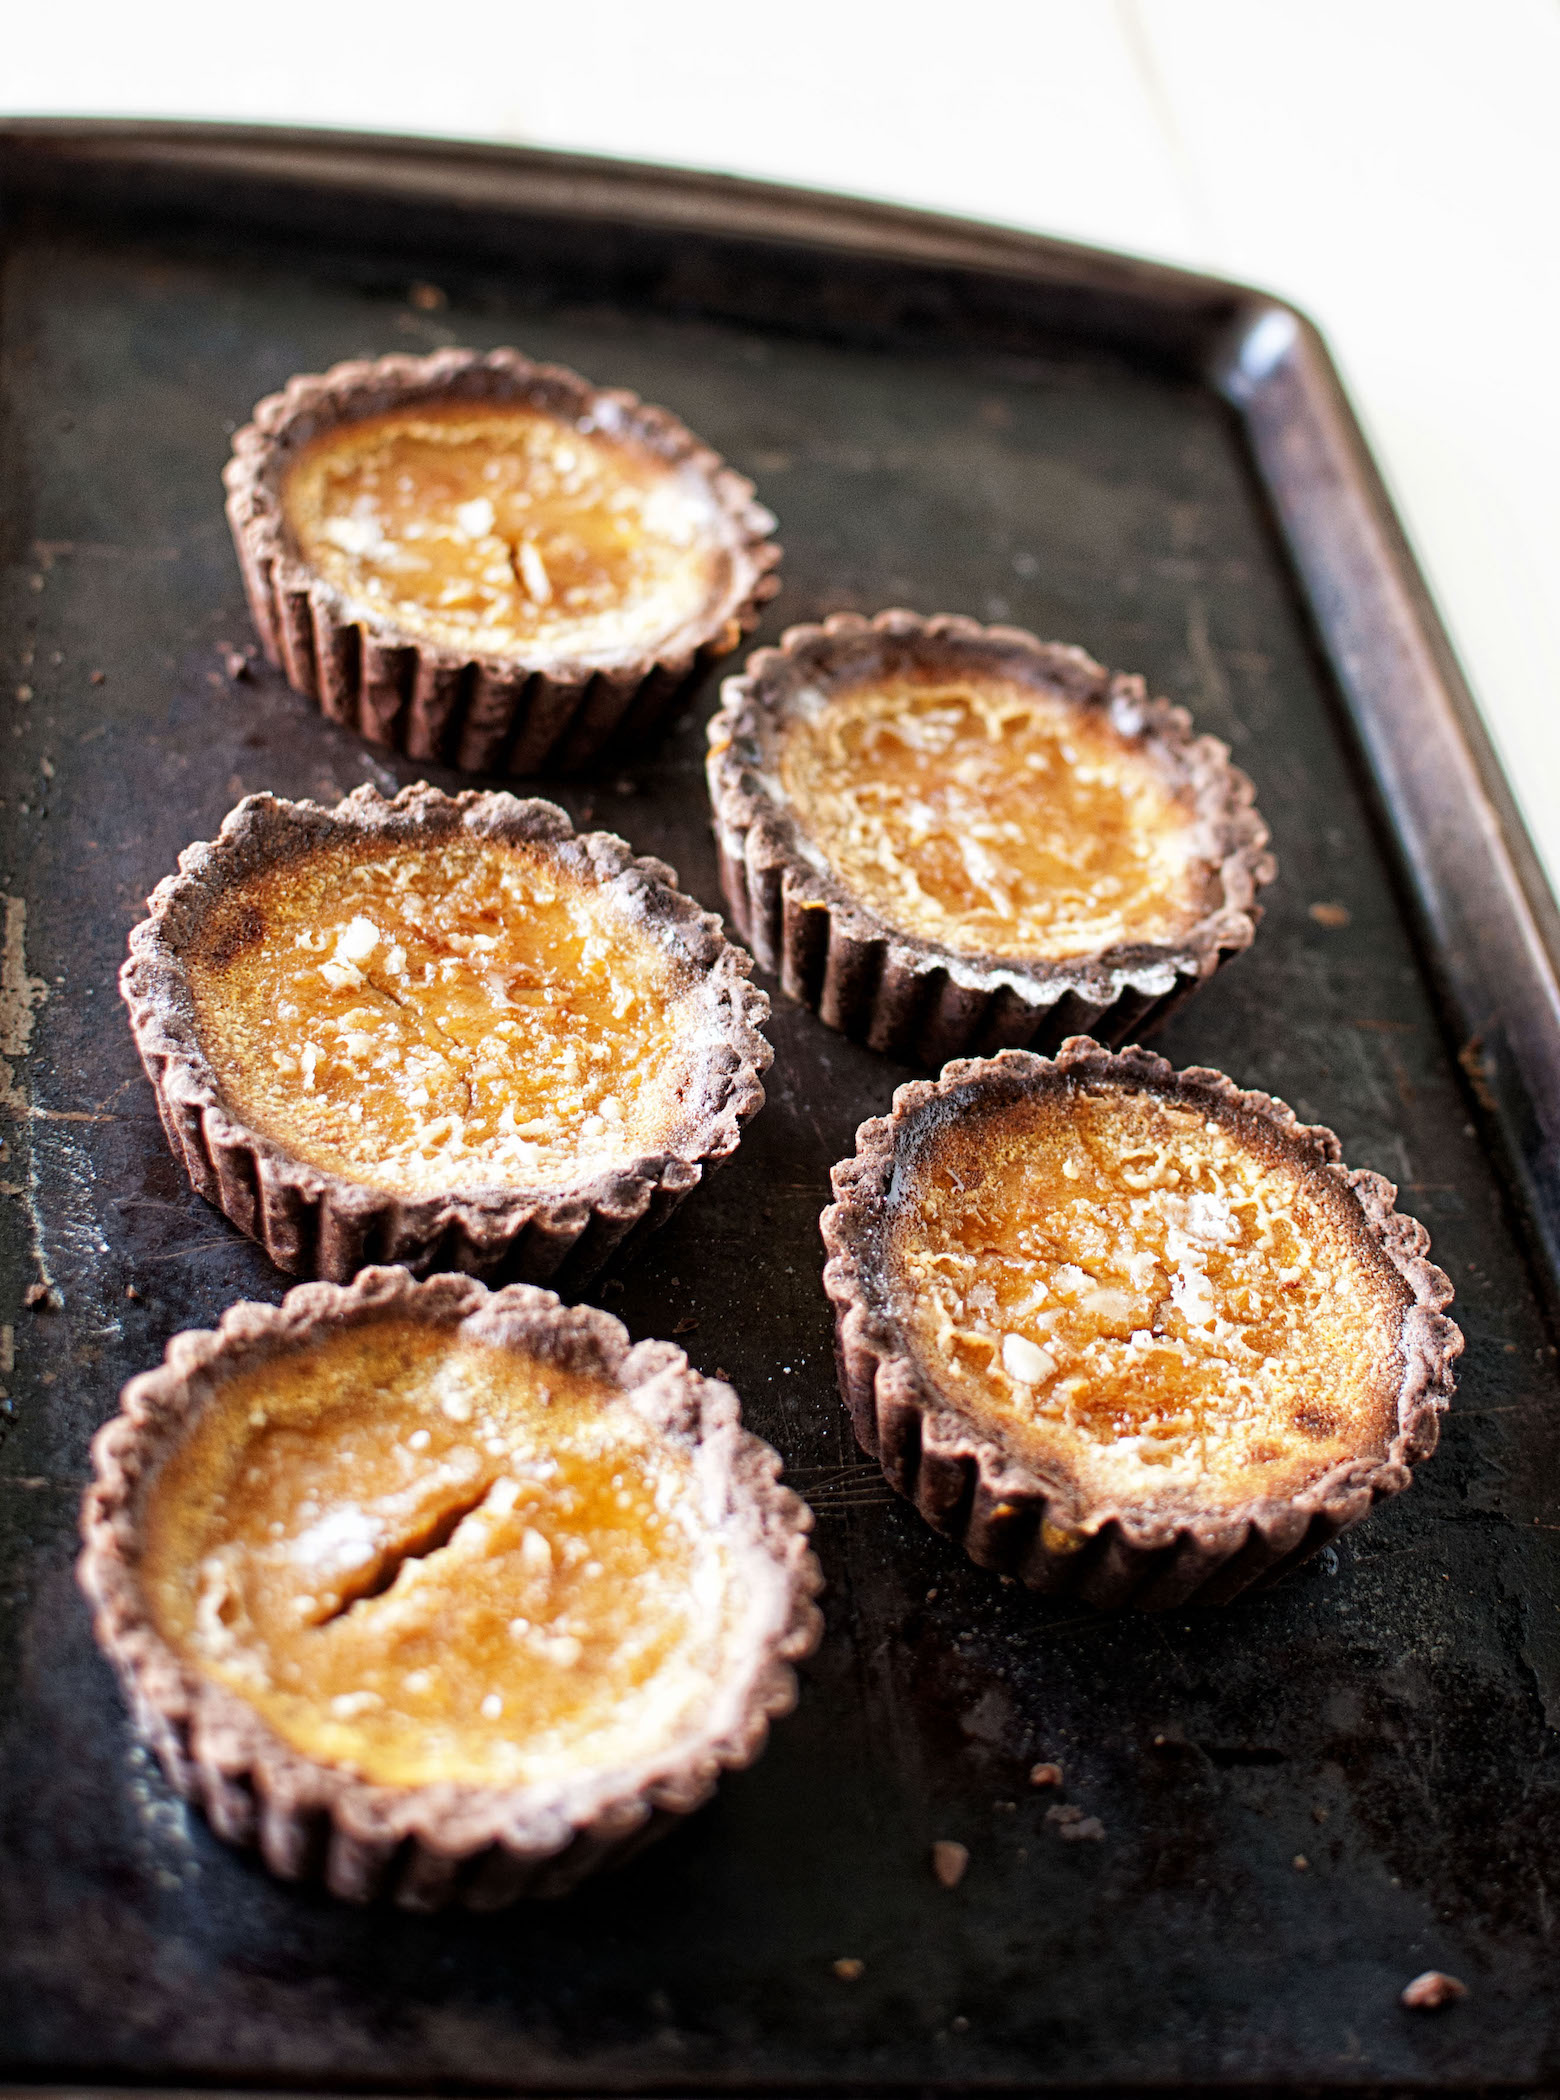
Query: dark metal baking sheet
(1308, 1797)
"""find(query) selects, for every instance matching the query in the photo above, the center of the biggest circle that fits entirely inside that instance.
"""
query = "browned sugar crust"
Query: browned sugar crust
(439, 1562)
(498, 530)
(922, 992)
(425, 1022)
(528, 1207)
(427, 1845)
(993, 818)
(505, 698)
(1130, 1488)
(1140, 1293)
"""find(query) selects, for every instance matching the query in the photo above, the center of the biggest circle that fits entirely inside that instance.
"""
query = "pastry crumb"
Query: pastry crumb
(1331, 915)
(1045, 1775)
(849, 1970)
(1432, 1990)
(949, 1861)
(1300, 1863)
(1073, 1824)
(1090, 1830)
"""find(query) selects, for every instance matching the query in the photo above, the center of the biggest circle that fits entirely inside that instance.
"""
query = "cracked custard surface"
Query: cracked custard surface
(433, 1559)
(1136, 1292)
(994, 818)
(457, 1015)
(503, 531)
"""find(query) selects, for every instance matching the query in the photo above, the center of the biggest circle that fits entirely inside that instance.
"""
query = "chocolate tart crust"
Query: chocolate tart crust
(912, 997)
(425, 1847)
(314, 1222)
(484, 715)
(1006, 1514)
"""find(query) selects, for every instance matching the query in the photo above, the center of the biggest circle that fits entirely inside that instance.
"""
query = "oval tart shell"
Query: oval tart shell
(425, 1847)
(1003, 1512)
(315, 1222)
(912, 997)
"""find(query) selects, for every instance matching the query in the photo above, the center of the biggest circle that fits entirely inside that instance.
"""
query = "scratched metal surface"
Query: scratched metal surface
(1384, 1716)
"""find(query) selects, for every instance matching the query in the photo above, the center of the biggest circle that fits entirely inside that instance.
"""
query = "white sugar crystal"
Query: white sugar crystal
(1106, 1303)
(475, 518)
(346, 1706)
(455, 1403)
(535, 1552)
(359, 941)
(1023, 1360)
(347, 1538)
(1192, 1295)
(351, 535)
(534, 572)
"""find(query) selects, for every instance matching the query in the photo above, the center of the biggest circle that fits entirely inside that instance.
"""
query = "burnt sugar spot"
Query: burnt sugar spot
(1311, 1420)
(244, 926)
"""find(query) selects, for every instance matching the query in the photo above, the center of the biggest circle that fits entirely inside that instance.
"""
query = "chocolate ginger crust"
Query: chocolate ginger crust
(314, 1222)
(893, 989)
(425, 1847)
(501, 715)
(1005, 1513)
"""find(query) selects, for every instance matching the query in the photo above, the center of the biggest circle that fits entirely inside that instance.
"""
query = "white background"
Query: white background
(1392, 166)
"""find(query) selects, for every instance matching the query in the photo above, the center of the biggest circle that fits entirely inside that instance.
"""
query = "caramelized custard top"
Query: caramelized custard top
(502, 531)
(428, 1559)
(994, 818)
(426, 1018)
(1148, 1296)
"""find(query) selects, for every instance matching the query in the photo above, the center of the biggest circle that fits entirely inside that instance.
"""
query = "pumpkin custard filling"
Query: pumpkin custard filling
(499, 531)
(426, 1020)
(1148, 1296)
(429, 1560)
(993, 818)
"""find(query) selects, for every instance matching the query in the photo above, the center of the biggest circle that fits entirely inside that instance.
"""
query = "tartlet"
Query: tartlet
(440, 1594)
(489, 562)
(947, 838)
(1128, 1331)
(441, 1030)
